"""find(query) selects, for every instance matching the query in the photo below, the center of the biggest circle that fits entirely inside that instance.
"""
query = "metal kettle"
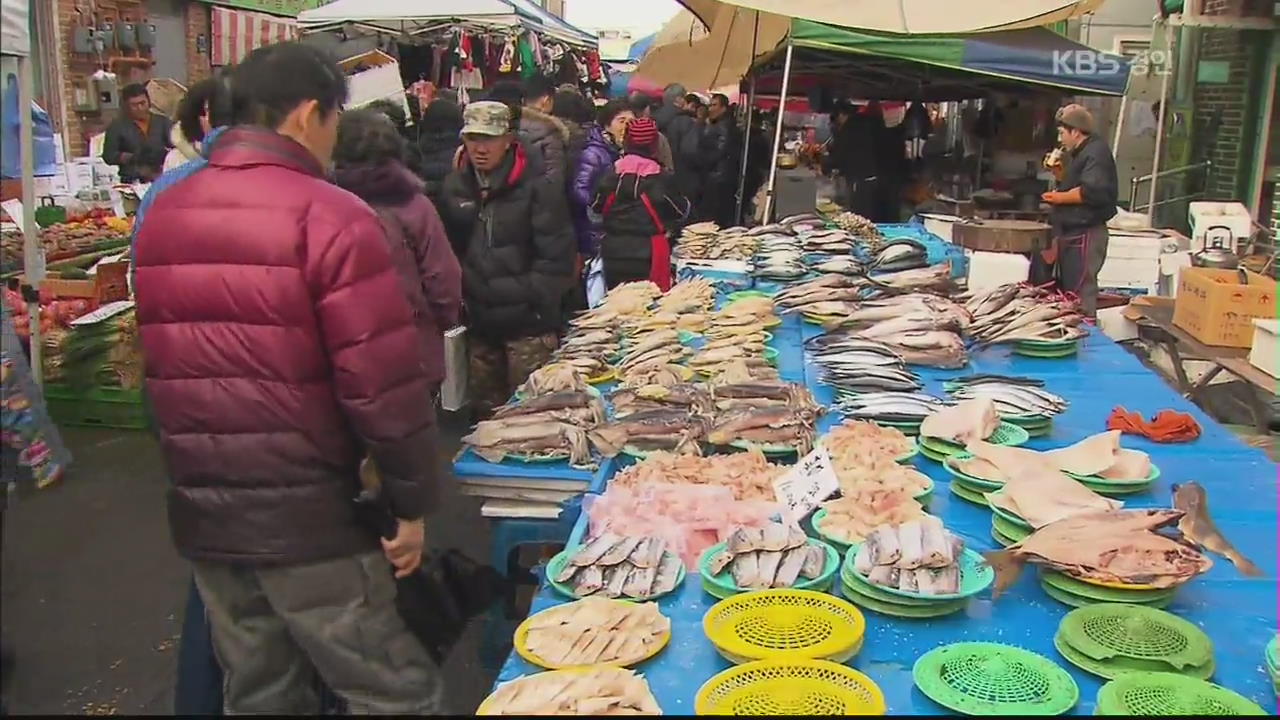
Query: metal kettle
(1216, 252)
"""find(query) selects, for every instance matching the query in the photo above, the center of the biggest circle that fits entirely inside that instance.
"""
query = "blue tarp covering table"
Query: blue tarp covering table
(1238, 613)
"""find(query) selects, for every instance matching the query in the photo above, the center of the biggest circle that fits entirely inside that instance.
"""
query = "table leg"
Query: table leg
(1203, 382)
(1179, 373)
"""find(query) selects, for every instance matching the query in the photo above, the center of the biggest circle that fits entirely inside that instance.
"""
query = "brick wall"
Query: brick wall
(198, 23)
(1225, 103)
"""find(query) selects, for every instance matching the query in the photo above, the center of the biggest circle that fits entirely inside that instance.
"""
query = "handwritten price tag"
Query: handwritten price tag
(811, 481)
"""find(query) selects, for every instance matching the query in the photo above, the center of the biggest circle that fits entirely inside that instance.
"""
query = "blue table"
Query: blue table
(1238, 613)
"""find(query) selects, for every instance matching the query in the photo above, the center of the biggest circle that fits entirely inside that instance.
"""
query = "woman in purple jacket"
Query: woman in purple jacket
(604, 146)
(369, 162)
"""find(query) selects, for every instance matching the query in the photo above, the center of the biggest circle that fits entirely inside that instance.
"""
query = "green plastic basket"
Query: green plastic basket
(1112, 669)
(104, 407)
(1027, 422)
(1116, 630)
(1015, 533)
(1001, 539)
(1080, 601)
(1006, 433)
(853, 583)
(1170, 694)
(1046, 352)
(771, 356)
(724, 581)
(1098, 593)
(933, 455)
(968, 495)
(975, 576)
(909, 455)
(992, 679)
(766, 448)
(858, 596)
(743, 294)
(969, 481)
(1100, 481)
(1117, 490)
(1273, 654)
(1006, 515)
(1048, 344)
(1039, 430)
(557, 563)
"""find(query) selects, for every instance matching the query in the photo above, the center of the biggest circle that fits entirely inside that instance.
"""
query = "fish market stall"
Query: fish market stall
(1061, 392)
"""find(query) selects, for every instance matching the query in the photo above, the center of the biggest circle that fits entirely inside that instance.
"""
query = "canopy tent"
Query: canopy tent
(417, 16)
(15, 49)
(941, 67)
(913, 17)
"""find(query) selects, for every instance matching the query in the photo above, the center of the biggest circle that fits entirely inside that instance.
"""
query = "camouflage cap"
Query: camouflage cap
(1075, 116)
(486, 118)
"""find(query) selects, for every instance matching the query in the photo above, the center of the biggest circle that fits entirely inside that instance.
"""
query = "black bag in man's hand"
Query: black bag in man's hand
(440, 599)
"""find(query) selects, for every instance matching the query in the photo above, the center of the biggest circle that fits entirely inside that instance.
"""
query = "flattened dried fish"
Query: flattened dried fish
(767, 568)
(669, 574)
(620, 551)
(789, 568)
(720, 561)
(746, 570)
(594, 550)
(815, 562)
(588, 581)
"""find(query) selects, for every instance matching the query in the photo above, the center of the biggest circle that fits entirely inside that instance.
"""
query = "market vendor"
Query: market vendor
(138, 139)
(1083, 203)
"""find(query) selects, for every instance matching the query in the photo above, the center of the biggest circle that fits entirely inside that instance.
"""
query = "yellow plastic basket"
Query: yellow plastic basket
(790, 687)
(785, 623)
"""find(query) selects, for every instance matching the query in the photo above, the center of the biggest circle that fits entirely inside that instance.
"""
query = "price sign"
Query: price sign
(811, 481)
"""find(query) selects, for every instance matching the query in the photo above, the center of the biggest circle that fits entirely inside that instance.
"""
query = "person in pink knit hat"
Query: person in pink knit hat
(642, 211)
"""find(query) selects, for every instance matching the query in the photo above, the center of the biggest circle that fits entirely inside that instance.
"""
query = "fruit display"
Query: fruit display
(96, 231)
(54, 314)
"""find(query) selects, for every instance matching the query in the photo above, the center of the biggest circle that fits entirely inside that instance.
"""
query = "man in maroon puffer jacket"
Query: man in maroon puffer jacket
(280, 350)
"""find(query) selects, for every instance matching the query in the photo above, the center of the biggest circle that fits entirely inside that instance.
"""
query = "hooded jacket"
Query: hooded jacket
(437, 148)
(515, 244)
(628, 226)
(279, 351)
(419, 248)
(547, 137)
(598, 156)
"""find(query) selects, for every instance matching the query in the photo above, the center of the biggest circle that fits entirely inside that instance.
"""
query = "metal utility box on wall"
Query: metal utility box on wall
(126, 35)
(146, 35)
(83, 39)
(107, 35)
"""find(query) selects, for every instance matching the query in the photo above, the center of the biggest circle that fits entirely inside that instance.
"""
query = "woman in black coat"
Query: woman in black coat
(438, 144)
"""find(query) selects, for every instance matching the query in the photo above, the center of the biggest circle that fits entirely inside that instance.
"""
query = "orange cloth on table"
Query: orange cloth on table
(1168, 426)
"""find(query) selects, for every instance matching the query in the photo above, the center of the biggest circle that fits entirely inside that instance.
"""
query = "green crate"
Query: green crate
(98, 407)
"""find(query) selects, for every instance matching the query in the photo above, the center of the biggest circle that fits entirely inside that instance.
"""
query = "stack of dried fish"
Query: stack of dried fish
(919, 556)
(588, 350)
(1013, 313)
(547, 426)
(736, 334)
(597, 690)
(779, 257)
(1036, 489)
(614, 566)
(904, 313)
(706, 241)
(827, 242)
(857, 225)
(891, 407)
(695, 295)
(1098, 456)
(674, 428)
(1013, 396)
(1123, 546)
(963, 422)
(650, 350)
(764, 413)
(667, 375)
(804, 222)
(936, 278)
(837, 264)
(775, 556)
(553, 377)
(816, 297)
(596, 630)
(689, 397)
(901, 254)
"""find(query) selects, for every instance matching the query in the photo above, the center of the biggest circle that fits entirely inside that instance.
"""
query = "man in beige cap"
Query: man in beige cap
(509, 225)
(1083, 203)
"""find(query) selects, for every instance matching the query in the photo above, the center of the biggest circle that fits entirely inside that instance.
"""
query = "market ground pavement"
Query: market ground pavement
(93, 590)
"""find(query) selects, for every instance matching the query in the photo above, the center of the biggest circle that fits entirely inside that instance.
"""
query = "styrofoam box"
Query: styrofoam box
(939, 225)
(1115, 325)
(1206, 214)
(1123, 272)
(1264, 354)
(1134, 246)
(1128, 290)
(989, 269)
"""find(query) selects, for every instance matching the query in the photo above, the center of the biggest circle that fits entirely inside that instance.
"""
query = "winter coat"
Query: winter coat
(628, 226)
(147, 153)
(515, 244)
(684, 134)
(548, 137)
(438, 148)
(597, 157)
(419, 248)
(717, 162)
(279, 351)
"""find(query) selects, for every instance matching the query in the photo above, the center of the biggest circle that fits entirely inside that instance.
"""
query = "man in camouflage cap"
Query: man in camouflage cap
(509, 225)
(1081, 206)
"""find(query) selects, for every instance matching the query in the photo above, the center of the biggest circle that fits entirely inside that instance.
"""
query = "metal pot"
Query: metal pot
(1217, 253)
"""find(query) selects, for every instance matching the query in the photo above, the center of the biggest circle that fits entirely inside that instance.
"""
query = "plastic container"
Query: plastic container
(98, 407)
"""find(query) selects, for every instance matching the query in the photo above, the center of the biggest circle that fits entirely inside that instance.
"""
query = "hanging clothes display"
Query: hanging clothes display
(594, 73)
(528, 65)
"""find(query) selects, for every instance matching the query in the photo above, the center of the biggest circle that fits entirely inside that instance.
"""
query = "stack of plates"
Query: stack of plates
(1006, 433)
(992, 679)
(1111, 639)
(790, 686)
(1046, 348)
(772, 624)
(1273, 661)
(722, 586)
(1083, 593)
(1007, 528)
(1035, 425)
(975, 576)
(965, 486)
(1108, 486)
(1170, 695)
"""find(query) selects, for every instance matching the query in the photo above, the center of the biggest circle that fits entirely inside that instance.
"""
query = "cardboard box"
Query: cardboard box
(1216, 308)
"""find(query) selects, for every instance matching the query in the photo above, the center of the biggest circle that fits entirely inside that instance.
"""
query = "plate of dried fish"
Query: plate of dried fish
(593, 631)
(776, 556)
(919, 559)
(604, 377)
(590, 690)
(613, 566)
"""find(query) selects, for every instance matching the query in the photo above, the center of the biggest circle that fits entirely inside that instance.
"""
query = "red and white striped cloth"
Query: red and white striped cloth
(237, 33)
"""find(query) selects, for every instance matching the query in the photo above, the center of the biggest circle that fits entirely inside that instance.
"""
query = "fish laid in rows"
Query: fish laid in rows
(1014, 399)
(900, 255)
(693, 398)
(962, 422)
(617, 566)
(919, 556)
(843, 265)
(552, 378)
(1196, 526)
(596, 631)
(934, 277)
(669, 428)
(793, 395)
(1123, 546)
(596, 690)
(889, 406)
(697, 294)
(929, 348)
(494, 439)
(775, 556)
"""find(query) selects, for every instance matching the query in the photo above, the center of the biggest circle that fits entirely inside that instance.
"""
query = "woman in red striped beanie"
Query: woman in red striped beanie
(642, 211)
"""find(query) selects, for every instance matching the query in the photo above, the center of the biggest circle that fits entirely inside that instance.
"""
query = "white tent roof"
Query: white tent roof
(413, 15)
(912, 16)
(15, 37)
